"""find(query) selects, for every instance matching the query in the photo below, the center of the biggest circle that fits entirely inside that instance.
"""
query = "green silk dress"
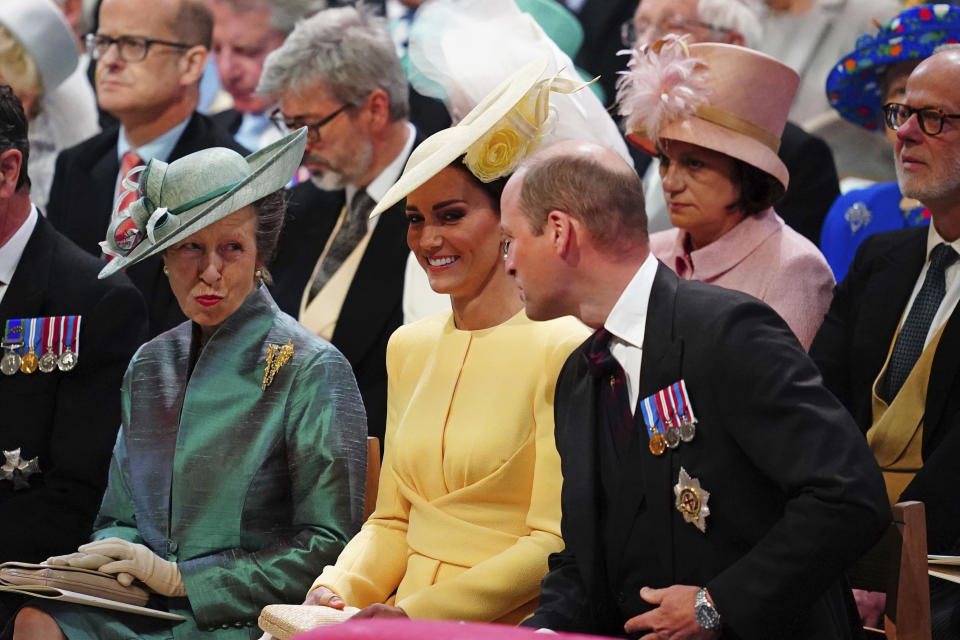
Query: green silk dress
(250, 491)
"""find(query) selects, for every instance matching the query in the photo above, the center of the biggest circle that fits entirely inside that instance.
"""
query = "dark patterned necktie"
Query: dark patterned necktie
(348, 236)
(613, 392)
(913, 333)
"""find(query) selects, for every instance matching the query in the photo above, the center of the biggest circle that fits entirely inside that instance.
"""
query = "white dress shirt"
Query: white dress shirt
(628, 324)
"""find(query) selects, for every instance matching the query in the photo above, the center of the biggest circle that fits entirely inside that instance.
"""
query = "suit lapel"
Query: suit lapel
(647, 477)
(377, 285)
(24, 296)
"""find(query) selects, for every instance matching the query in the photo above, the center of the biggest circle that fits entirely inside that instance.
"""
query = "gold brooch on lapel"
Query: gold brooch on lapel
(17, 470)
(277, 356)
(691, 500)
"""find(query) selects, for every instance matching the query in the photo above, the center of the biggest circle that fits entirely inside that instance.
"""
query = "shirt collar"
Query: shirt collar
(391, 173)
(159, 148)
(12, 249)
(731, 248)
(628, 318)
(934, 238)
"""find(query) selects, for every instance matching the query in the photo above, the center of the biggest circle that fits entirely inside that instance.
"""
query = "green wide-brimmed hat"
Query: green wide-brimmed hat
(178, 199)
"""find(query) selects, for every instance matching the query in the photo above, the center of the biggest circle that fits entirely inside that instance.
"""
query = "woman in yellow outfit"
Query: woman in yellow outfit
(468, 508)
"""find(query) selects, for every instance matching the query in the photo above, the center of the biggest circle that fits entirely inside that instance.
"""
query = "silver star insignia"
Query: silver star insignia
(17, 470)
(691, 500)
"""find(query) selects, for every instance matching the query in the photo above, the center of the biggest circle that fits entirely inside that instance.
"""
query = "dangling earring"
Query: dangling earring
(166, 271)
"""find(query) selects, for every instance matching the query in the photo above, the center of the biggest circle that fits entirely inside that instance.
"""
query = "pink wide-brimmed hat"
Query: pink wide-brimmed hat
(719, 96)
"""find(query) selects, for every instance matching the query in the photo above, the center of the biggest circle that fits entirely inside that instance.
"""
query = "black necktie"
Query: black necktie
(913, 333)
(612, 388)
(348, 236)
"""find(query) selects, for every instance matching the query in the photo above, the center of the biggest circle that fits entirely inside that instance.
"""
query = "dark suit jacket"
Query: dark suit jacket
(68, 420)
(81, 201)
(373, 308)
(795, 495)
(850, 350)
(601, 20)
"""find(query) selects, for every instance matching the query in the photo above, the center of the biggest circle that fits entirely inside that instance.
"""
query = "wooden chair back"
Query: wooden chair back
(373, 476)
(897, 566)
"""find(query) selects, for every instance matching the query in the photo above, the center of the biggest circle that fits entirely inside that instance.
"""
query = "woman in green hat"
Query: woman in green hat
(239, 468)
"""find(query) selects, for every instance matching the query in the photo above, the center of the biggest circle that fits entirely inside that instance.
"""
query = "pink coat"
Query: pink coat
(764, 257)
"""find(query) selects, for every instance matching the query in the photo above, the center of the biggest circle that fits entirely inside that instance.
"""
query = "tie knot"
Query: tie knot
(361, 205)
(942, 256)
(599, 358)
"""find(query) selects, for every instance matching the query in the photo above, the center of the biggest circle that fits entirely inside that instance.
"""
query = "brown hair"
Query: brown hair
(193, 23)
(608, 201)
(758, 189)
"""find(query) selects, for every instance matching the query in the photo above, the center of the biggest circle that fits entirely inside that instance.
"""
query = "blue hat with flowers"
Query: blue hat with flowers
(853, 86)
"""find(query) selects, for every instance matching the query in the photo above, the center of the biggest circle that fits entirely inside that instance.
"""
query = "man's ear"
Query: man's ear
(560, 227)
(192, 64)
(11, 162)
(377, 108)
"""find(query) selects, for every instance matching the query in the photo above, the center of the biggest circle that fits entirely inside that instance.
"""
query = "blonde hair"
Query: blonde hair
(17, 67)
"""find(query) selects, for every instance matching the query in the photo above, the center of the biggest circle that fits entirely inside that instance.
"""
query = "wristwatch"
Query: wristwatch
(707, 615)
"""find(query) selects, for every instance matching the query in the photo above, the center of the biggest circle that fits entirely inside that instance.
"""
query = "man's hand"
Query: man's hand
(321, 596)
(871, 606)
(673, 619)
(380, 611)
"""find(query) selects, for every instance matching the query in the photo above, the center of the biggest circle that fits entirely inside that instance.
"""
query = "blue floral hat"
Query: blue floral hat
(853, 86)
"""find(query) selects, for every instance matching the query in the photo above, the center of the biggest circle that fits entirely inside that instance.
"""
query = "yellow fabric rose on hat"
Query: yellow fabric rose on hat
(497, 153)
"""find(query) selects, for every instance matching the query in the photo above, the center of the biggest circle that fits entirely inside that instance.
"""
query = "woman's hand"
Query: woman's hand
(78, 559)
(871, 605)
(130, 560)
(321, 596)
(380, 611)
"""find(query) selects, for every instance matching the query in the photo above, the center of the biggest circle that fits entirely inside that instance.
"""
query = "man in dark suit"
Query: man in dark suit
(148, 73)
(337, 272)
(813, 177)
(888, 345)
(64, 420)
(744, 527)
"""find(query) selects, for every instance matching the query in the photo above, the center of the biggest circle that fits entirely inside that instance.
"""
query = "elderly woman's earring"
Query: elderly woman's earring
(166, 271)
(258, 274)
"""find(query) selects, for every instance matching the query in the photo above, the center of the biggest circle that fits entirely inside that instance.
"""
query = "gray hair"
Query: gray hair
(741, 16)
(348, 50)
(284, 14)
(271, 212)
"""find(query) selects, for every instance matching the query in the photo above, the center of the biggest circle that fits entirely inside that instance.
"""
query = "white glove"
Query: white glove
(129, 560)
(77, 559)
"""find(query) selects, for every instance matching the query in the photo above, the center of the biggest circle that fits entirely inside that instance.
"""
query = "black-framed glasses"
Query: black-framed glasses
(629, 31)
(930, 119)
(313, 128)
(129, 48)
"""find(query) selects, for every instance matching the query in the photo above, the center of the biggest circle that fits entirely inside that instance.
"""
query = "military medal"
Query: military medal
(17, 470)
(48, 361)
(688, 426)
(691, 500)
(30, 362)
(277, 356)
(657, 443)
(12, 341)
(69, 338)
(670, 431)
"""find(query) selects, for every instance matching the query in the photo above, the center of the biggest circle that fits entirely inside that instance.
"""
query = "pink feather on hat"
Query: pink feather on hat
(661, 84)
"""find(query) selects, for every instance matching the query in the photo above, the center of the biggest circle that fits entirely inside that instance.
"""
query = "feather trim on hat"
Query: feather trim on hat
(662, 83)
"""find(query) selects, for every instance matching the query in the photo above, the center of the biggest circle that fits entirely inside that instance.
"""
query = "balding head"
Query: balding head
(590, 182)
(928, 166)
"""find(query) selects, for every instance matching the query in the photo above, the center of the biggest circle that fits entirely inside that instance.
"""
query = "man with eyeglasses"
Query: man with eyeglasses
(339, 273)
(889, 343)
(150, 55)
(813, 179)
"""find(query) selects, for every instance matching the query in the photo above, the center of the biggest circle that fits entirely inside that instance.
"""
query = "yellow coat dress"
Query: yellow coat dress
(469, 501)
